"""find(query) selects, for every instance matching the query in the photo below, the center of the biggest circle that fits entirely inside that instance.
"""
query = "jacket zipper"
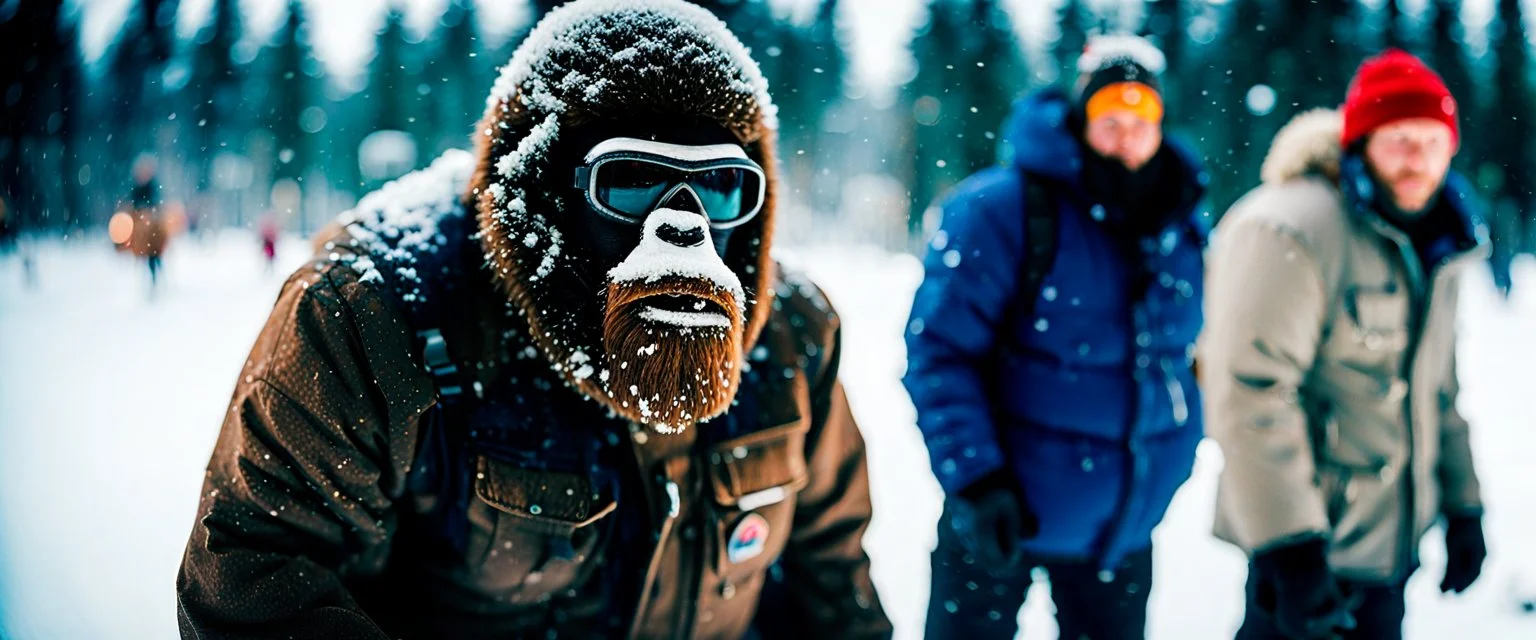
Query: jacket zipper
(1122, 517)
(1408, 522)
(674, 505)
(692, 572)
(1422, 284)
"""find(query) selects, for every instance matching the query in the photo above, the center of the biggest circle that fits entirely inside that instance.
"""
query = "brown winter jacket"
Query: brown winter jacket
(1328, 368)
(306, 527)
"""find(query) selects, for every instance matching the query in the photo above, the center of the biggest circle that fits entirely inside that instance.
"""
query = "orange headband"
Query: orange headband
(1138, 99)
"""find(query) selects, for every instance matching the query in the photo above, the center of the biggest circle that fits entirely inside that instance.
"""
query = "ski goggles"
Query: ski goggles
(627, 178)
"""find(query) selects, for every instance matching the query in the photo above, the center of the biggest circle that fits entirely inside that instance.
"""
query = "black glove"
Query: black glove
(1465, 550)
(1297, 589)
(991, 518)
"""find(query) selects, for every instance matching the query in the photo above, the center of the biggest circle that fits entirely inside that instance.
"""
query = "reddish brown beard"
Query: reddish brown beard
(668, 376)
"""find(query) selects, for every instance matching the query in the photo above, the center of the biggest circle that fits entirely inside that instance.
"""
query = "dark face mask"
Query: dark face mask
(1136, 201)
(610, 241)
(1108, 180)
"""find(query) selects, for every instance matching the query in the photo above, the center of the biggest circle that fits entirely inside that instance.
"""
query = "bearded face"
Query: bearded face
(652, 223)
(628, 220)
(674, 313)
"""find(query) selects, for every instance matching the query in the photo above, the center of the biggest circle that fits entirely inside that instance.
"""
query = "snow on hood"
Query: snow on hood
(579, 28)
(398, 222)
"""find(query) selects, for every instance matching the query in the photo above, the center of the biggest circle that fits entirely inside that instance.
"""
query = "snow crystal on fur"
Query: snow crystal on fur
(1105, 50)
(1308, 144)
(397, 222)
(655, 258)
(537, 142)
(566, 29)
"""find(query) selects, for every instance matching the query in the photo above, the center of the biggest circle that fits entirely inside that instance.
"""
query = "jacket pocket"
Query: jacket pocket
(1380, 315)
(755, 479)
(541, 530)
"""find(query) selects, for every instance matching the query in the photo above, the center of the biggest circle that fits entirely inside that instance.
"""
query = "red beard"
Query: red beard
(673, 349)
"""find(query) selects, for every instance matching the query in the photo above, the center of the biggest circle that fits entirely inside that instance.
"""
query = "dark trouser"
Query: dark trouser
(969, 602)
(1379, 616)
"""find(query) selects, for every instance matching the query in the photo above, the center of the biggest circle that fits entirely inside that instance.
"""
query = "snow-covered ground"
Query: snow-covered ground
(110, 402)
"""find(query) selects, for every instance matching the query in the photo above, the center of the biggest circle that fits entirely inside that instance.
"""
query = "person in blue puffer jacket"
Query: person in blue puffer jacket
(1059, 405)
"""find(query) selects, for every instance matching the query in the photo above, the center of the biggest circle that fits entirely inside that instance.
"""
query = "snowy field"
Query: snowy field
(110, 403)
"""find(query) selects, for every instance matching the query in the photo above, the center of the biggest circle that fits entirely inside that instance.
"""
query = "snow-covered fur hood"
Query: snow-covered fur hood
(592, 62)
(1307, 145)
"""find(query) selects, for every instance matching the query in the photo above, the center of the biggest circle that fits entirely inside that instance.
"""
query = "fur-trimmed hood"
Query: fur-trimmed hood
(584, 63)
(1307, 145)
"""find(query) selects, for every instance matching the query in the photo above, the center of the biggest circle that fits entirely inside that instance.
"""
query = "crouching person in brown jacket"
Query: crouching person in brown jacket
(553, 388)
(1328, 361)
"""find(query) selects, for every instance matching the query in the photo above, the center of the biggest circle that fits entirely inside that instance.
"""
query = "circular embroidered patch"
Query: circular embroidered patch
(748, 539)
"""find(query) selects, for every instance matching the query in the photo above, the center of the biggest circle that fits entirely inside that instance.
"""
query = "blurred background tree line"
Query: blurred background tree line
(243, 123)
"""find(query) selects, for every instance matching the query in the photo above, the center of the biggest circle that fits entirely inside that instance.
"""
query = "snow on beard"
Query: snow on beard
(673, 327)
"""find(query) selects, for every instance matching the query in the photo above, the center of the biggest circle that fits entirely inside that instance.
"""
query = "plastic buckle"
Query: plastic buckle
(434, 353)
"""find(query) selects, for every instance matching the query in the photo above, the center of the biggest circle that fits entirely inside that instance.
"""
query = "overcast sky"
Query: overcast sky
(343, 30)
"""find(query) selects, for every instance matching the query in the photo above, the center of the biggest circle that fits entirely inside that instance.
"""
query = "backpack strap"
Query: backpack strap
(1041, 231)
(1041, 241)
(425, 283)
(442, 457)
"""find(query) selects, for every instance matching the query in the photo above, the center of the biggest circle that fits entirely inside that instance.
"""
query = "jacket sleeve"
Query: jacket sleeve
(827, 591)
(300, 488)
(1266, 306)
(1460, 491)
(970, 276)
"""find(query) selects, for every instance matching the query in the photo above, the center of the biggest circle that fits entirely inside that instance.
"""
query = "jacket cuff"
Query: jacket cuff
(999, 480)
(1295, 553)
(957, 472)
(1462, 512)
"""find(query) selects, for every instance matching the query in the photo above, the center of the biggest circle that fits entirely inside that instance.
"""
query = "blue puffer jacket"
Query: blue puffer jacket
(1091, 400)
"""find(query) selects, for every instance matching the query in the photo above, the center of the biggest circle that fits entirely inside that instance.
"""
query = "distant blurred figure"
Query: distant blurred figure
(7, 231)
(269, 240)
(148, 236)
(1503, 236)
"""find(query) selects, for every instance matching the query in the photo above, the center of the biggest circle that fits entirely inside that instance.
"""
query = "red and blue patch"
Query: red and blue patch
(748, 539)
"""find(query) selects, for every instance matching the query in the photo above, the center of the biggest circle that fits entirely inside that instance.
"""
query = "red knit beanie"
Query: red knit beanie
(1395, 86)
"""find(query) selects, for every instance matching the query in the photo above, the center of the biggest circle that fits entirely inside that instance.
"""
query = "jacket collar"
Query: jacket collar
(1461, 233)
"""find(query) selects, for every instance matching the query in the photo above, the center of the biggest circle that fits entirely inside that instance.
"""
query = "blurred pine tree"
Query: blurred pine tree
(969, 71)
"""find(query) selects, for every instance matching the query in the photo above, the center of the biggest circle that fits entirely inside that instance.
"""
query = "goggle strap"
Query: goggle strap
(583, 176)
